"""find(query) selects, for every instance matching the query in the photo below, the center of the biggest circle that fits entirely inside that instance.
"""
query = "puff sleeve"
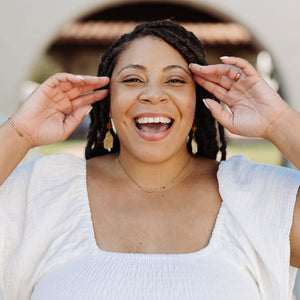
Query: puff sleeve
(41, 208)
(13, 205)
(261, 199)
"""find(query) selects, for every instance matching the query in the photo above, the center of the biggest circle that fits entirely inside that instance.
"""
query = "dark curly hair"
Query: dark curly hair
(210, 135)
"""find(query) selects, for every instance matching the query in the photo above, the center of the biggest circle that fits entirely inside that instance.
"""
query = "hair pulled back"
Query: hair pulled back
(209, 136)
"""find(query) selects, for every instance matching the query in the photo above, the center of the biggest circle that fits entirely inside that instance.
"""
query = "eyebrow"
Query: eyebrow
(132, 66)
(176, 67)
(140, 67)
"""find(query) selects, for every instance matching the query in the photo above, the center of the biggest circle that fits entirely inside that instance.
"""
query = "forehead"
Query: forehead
(150, 51)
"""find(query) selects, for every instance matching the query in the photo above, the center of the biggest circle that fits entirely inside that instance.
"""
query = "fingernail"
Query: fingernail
(195, 66)
(205, 103)
(89, 110)
(227, 108)
(224, 57)
(80, 77)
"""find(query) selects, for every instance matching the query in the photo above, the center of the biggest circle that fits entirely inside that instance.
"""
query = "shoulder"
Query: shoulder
(43, 171)
(46, 163)
(58, 159)
(239, 171)
(258, 191)
(59, 164)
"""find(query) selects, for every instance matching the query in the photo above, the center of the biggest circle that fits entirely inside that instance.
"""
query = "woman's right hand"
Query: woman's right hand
(54, 110)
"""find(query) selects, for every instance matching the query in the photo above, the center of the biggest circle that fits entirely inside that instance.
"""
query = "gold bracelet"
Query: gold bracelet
(15, 127)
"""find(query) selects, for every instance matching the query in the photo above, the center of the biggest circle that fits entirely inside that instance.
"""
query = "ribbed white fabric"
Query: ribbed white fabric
(48, 250)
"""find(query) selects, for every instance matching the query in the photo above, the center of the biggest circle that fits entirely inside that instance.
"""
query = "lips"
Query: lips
(156, 124)
(153, 127)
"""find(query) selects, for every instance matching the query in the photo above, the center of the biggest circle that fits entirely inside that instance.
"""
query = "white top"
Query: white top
(48, 249)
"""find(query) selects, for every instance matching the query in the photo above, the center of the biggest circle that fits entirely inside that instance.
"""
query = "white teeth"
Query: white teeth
(145, 120)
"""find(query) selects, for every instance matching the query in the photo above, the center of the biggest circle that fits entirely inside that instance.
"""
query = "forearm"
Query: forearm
(285, 135)
(12, 151)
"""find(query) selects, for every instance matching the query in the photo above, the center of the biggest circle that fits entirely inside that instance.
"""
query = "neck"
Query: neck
(158, 175)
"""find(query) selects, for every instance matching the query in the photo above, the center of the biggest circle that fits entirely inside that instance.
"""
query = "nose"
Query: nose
(153, 93)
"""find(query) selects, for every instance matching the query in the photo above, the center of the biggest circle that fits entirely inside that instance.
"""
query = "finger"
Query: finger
(75, 118)
(223, 81)
(223, 116)
(89, 98)
(79, 80)
(76, 91)
(93, 79)
(68, 107)
(76, 85)
(221, 70)
(240, 63)
(58, 78)
(218, 91)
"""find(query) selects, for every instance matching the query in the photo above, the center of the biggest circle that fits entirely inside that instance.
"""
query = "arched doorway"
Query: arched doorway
(80, 43)
(90, 34)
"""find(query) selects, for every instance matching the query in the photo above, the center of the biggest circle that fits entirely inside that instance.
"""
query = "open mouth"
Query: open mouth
(153, 124)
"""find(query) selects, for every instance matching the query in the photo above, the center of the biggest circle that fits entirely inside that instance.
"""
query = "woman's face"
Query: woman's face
(152, 100)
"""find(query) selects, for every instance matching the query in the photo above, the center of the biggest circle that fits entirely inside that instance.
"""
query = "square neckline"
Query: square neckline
(89, 227)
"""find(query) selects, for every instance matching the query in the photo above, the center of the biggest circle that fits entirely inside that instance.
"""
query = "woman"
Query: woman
(151, 214)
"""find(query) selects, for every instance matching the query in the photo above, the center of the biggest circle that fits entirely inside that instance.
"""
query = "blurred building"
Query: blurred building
(79, 44)
(70, 35)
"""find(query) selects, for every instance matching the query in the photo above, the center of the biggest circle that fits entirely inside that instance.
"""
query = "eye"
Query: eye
(176, 81)
(132, 79)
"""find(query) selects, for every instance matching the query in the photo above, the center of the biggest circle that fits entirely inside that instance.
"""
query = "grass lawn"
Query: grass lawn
(64, 147)
(256, 151)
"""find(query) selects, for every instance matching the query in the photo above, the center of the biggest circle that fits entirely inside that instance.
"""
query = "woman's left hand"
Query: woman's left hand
(254, 107)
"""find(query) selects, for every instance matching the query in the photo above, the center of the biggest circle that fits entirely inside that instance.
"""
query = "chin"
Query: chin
(157, 154)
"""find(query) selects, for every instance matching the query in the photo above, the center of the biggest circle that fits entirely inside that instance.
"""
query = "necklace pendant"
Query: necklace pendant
(163, 188)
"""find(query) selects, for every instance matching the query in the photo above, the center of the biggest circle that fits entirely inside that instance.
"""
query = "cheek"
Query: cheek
(187, 97)
(121, 102)
(188, 103)
(118, 100)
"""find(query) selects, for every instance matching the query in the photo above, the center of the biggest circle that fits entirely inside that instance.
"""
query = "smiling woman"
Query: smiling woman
(143, 92)
(185, 46)
(147, 215)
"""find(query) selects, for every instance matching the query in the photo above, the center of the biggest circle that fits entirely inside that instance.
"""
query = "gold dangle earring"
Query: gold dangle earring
(194, 144)
(108, 141)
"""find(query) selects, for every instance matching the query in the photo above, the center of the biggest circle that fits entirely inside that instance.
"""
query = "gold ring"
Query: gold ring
(238, 75)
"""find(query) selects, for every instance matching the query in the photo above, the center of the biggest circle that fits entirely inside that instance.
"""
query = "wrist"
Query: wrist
(19, 135)
(284, 124)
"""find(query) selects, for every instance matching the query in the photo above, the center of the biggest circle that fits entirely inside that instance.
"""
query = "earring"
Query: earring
(193, 142)
(108, 141)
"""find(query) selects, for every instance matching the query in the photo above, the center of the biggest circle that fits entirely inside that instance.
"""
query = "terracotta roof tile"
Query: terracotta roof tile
(107, 32)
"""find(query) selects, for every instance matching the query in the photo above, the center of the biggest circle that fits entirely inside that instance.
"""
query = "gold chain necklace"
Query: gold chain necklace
(159, 189)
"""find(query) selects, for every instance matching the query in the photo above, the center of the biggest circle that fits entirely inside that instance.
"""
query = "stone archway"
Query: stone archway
(90, 33)
(78, 45)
